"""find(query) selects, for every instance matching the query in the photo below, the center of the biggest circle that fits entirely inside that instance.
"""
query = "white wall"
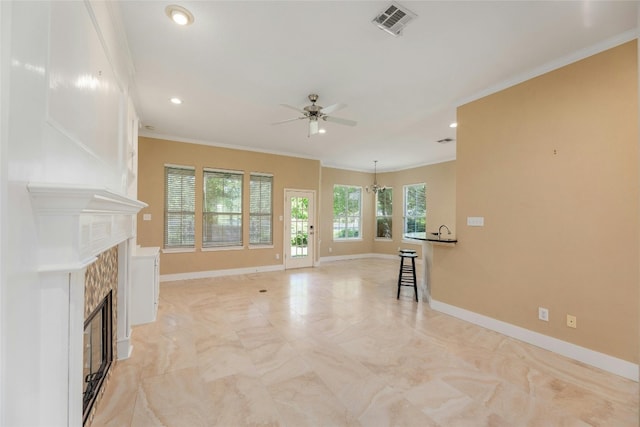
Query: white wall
(66, 114)
(4, 63)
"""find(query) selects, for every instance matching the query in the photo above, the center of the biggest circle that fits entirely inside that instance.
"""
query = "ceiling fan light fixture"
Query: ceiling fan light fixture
(314, 127)
(179, 15)
(314, 113)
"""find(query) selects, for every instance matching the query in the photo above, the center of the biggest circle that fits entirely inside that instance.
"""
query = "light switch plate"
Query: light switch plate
(475, 221)
(146, 217)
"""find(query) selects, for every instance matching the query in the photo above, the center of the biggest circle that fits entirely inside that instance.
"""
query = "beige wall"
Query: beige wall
(331, 177)
(440, 182)
(288, 172)
(552, 165)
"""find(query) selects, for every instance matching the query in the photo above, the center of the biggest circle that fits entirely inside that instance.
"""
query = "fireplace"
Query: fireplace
(98, 353)
(85, 236)
(99, 345)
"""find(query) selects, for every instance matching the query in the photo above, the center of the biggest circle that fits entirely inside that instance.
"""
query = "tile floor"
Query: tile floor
(331, 346)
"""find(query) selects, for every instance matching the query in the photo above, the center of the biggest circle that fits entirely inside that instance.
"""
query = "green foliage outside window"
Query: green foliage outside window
(346, 212)
(384, 213)
(222, 209)
(415, 208)
(299, 221)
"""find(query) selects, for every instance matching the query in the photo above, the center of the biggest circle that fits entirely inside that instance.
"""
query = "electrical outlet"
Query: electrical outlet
(572, 322)
(277, 256)
(543, 314)
(330, 250)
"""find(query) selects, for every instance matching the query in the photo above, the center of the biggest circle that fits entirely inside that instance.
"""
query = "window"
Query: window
(415, 208)
(260, 209)
(222, 208)
(384, 212)
(179, 211)
(346, 212)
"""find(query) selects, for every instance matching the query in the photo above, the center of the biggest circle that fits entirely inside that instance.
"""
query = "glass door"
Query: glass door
(299, 229)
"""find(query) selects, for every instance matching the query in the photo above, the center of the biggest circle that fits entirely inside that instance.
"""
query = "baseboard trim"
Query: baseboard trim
(359, 256)
(603, 361)
(220, 273)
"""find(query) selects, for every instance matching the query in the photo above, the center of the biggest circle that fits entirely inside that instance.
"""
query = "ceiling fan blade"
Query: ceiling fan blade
(288, 120)
(333, 108)
(340, 121)
(293, 108)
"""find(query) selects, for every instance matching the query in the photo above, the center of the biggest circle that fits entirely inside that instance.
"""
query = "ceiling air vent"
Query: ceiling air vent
(394, 19)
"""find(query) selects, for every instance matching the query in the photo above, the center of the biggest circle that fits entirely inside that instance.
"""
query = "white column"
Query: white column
(61, 356)
(427, 262)
(124, 300)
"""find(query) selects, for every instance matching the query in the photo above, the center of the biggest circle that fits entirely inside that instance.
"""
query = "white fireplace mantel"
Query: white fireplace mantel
(75, 223)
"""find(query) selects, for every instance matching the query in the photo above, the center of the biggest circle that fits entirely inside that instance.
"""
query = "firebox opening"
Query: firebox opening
(98, 353)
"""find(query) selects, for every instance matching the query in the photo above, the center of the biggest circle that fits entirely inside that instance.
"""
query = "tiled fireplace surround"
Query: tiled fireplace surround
(101, 278)
(78, 226)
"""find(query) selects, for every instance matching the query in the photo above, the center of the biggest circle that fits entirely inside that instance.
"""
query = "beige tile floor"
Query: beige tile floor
(331, 346)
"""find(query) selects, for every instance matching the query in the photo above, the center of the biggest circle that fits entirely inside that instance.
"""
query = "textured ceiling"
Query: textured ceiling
(239, 60)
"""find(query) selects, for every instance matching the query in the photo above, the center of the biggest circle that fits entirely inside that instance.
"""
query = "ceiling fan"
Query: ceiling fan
(314, 113)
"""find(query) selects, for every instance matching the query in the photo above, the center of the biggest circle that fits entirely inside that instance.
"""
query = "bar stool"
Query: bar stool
(407, 251)
(407, 275)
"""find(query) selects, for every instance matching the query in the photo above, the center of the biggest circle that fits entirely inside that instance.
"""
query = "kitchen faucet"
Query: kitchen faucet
(440, 231)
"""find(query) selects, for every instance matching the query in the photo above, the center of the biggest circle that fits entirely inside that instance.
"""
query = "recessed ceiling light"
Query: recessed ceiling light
(453, 125)
(179, 14)
(322, 131)
(176, 101)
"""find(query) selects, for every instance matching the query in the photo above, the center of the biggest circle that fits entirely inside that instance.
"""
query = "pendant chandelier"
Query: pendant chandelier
(375, 188)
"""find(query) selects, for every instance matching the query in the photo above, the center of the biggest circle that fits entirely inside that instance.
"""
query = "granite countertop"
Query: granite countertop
(430, 237)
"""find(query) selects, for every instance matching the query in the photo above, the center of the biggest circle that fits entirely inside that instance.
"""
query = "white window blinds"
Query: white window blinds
(260, 209)
(179, 214)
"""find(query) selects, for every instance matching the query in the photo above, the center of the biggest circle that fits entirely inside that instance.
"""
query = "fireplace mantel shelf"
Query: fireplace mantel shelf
(75, 223)
(76, 199)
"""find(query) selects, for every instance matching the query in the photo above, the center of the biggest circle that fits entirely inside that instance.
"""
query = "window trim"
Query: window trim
(177, 250)
(377, 238)
(172, 248)
(348, 239)
(404, 206)
(270, 243)
(208, 246)
(221, 248)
